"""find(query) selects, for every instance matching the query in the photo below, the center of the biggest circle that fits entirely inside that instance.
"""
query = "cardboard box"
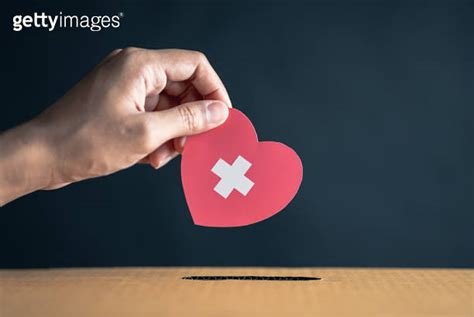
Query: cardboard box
(164, 292)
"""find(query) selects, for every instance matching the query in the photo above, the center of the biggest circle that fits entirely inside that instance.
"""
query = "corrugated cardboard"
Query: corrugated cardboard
(163, 292)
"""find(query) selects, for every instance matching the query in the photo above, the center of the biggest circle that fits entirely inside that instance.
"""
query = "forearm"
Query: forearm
(26, 161)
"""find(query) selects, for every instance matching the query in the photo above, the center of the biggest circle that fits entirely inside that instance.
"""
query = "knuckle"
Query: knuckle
(142, 68)
(112, 54)
(190, 117)
(110, 58)
(129, 50)
(131, 55)
(134, 61)
(200, 56)
(115, 51)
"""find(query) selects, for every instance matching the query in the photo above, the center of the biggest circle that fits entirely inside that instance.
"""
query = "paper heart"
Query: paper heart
(231, 179)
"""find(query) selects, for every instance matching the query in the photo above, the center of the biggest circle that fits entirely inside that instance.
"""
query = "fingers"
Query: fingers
(162, 155)
(151, 102)
(190, 94)
(179, 144)
(195, 67)
(158, 81)
(165, 102)
(158, 67)
(176, 88)
(187, 119)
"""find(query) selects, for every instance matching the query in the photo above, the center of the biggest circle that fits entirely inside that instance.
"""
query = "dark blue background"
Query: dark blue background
(376, 97)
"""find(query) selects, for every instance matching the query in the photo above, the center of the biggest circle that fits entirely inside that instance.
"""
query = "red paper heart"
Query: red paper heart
(275, 171)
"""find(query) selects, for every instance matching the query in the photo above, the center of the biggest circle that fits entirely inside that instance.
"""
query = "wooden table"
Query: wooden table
(164, 292)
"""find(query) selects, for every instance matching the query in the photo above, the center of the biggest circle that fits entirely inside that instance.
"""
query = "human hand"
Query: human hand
(135, 106)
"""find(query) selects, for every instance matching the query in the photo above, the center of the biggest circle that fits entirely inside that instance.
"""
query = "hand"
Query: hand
(137, 105)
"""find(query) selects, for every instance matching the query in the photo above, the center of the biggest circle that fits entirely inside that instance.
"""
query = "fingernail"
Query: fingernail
(216, 112)
(164, 161)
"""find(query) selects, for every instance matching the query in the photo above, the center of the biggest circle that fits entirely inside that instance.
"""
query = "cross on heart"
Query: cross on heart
(230, 179)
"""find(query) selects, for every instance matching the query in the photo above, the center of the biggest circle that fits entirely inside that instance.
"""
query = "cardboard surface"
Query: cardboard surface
(163, 292)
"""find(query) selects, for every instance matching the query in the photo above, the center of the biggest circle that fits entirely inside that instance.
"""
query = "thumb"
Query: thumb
(189, 118)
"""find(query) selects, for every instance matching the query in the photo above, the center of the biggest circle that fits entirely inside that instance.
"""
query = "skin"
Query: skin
(136, 106)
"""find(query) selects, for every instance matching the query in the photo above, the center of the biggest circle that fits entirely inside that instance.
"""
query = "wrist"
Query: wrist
(26, 161)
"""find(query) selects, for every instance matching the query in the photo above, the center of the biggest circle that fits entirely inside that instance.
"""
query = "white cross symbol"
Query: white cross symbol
(232, 177)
